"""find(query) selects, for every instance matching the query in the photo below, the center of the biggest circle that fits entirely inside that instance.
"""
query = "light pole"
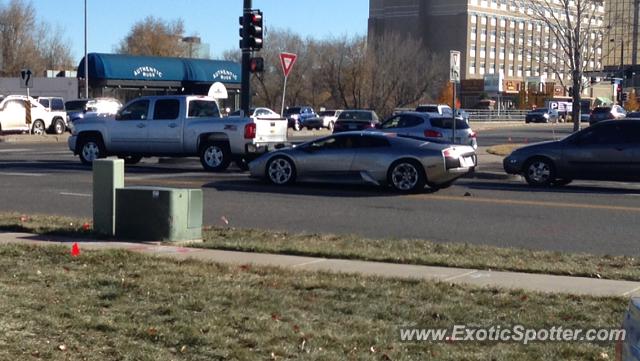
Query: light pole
(86, 59)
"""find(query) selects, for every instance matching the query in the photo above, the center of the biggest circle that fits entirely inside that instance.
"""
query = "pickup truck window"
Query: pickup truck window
(135, 111)
(203, 109)
(166, 109)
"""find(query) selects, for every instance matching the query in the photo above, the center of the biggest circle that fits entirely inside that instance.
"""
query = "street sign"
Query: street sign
(25, 74)
(454, 66)
(287, 60)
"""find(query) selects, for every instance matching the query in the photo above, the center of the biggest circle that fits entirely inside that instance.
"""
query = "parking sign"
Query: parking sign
(454, 66)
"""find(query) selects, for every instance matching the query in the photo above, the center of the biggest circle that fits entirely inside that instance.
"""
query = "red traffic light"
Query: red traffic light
(256, 65)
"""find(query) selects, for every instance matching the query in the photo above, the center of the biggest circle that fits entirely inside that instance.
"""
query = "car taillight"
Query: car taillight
(250, 131)
(370, 125)
(432, 134)
(448, 153)
(473, 134)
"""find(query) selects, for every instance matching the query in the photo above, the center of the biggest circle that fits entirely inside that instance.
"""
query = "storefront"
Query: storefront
(126, 77)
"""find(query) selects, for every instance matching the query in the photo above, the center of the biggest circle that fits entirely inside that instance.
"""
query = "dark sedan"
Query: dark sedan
(608, 150)
(541, 115)
(350, 120)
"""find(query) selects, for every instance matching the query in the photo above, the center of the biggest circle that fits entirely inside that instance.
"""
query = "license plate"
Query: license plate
(467, 162)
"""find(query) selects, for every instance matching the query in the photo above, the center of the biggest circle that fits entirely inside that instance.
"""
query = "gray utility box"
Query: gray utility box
(159, 214)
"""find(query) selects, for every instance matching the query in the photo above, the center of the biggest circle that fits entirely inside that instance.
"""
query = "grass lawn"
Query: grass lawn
(503, 149)
(409, 251)
(116, 305)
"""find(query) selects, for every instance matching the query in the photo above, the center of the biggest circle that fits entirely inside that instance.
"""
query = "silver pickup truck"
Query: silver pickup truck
(176, 126)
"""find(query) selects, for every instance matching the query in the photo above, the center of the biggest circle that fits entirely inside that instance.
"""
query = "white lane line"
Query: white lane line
(308, 263)
(20, 174)
(15, 150)
(75, 194)
(459, 276)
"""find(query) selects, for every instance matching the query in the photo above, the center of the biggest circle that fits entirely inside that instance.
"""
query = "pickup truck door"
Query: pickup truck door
(128, 133)
(165, 127)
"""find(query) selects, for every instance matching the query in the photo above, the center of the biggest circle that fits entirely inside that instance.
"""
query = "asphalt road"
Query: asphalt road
(583, 217)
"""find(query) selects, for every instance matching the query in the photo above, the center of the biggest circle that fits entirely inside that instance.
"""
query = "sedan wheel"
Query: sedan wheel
(406, 176)
(281, 170)
(539, 172)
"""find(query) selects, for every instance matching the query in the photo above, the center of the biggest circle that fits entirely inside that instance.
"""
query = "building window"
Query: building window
(529, 26)
(481, 69)
(503, 23)
(511, 54)
(492, 53)
(472, 51)
(482, 53)
(520, 25)
(472, 70)
(493, 21)
(483, 20)
(502, 51)
(474, 19)
(511, 70)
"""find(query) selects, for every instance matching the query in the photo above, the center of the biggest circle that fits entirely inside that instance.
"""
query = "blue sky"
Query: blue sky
(215, 21)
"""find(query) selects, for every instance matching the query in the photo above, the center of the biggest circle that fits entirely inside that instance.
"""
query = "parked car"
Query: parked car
(431, 127)
(633, 115)
(404, 163)
(77, 109)
(55, 104)
(607, 150)
(13, 116)
(329, 118)
(439, 109)
(178, 126)
(297, 115)
(355, 120)
(541, 115)
(599, 114)
(260, 112)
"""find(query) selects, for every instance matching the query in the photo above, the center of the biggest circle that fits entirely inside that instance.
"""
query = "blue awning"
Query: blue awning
(162, 69)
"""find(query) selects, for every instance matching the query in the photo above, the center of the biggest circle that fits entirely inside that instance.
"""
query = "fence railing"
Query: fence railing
(491, 115)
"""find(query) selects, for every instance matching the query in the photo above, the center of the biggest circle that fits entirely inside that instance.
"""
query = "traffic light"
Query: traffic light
(257, 65)
(243, 28)
(254, 32)
(619, 93)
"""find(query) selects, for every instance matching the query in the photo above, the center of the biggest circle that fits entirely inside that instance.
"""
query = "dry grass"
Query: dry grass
(118, 305)
(409, 251)
(503, 149)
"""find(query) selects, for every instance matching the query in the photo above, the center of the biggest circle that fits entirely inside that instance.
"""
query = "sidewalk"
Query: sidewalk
(508, 280)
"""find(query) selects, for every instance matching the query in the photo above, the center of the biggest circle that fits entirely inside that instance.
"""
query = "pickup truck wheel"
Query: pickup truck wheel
(58, 126)
(281, 171)
(38, 127)
(91, 149)
(215, 156)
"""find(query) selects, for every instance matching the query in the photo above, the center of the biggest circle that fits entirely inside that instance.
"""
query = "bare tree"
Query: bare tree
(27, 43)
(346, 73)
(154, 37)
(575, 27)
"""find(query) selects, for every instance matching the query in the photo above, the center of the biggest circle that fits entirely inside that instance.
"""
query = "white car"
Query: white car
(329, 118)
(13, 116)
(261, 113)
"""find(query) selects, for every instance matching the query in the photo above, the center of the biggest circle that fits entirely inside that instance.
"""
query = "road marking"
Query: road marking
(526, 203)
(20, 174)
(75, 194)
(15, 150)
(630, 292)
(459, 276)
(308, 263)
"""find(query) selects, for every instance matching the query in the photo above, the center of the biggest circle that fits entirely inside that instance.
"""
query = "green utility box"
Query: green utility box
(159, 214)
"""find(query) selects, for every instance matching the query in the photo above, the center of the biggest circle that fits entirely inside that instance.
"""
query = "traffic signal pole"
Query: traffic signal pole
(245, 91)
